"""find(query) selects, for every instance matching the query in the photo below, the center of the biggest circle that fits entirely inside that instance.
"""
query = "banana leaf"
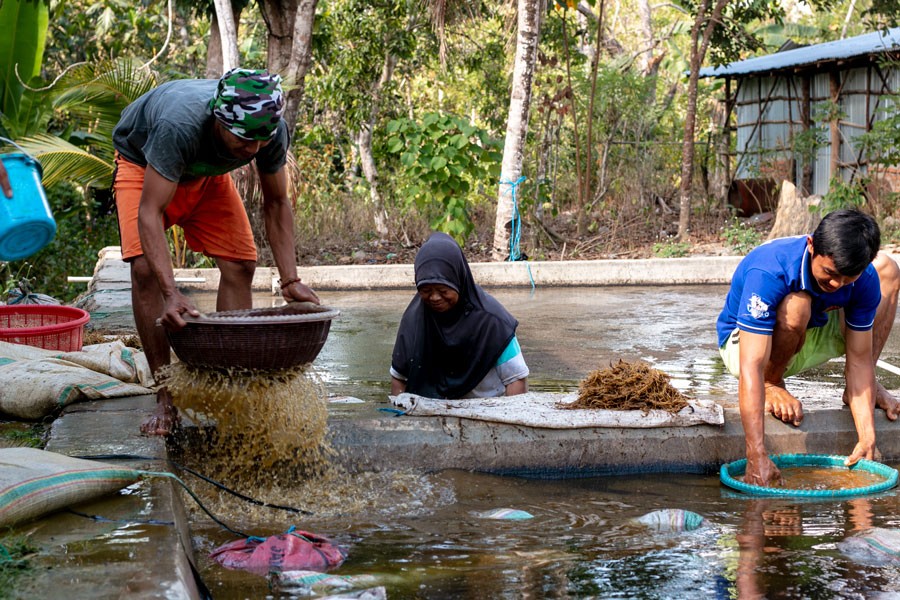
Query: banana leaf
(24, 27)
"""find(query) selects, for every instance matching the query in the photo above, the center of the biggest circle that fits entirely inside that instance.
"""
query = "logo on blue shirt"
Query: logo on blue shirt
(757, 308)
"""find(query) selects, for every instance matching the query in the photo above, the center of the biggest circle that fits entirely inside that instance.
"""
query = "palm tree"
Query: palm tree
(85, 105)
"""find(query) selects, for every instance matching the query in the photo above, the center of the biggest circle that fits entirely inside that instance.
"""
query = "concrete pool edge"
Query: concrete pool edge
(437, 443)
(160, 567)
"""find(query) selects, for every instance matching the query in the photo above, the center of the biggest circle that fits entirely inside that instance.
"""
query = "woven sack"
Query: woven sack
(36, 482)
(292, 551)
(37, 382)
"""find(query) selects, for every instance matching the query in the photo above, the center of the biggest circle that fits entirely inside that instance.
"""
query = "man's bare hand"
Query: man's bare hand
(176, 306)
(763, 472)
(862, 450)
(299, 292)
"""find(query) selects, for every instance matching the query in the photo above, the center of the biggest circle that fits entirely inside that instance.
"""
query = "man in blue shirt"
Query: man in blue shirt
(797, 302)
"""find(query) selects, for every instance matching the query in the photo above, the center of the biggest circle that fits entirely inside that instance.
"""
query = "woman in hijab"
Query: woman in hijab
(455, 340)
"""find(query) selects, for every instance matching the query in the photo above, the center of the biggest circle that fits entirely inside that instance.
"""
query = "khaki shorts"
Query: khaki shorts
(821, 345)
(208, 209)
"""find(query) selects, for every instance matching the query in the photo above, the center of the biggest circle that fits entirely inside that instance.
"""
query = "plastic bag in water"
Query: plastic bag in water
(506, 514)
(876, 547)
(313, 582)
(671, 519)
(375, 593)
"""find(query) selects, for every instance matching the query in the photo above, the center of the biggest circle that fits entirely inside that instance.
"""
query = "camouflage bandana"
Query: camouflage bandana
(249, 103)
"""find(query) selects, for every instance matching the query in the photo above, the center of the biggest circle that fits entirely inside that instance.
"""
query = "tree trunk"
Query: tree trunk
(364, 145)
(279, 16)
(529, 29)
(231, 58)
(645, 61)
(290, 24)
(214, 50)
(214, 63)
(699, 47)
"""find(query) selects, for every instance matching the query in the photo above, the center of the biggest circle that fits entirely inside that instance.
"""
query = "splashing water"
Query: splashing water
(267, 438)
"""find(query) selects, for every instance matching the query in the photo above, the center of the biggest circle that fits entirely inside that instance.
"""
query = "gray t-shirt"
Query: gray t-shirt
(171, 128)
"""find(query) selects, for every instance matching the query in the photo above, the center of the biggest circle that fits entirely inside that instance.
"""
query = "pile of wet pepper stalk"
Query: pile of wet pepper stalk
(628, 386)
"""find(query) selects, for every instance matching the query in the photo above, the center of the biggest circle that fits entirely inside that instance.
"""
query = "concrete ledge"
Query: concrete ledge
(111, 275)
(159, 566)
(435, 443)
(112, 278)
(669, 271)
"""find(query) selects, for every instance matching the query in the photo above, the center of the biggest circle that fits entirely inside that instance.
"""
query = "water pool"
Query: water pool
(428, 542)
(582, 543)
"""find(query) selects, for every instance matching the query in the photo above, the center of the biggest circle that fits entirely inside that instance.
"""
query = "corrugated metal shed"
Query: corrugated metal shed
(798, 114)
(862, 45)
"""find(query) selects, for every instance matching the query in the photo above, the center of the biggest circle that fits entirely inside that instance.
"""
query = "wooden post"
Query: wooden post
(835, 126)
(806, 123)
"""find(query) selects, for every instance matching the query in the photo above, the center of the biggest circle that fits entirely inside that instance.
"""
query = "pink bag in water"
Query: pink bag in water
(291, 551)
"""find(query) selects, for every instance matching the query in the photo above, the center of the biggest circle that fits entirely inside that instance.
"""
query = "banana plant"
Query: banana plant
(24, 27)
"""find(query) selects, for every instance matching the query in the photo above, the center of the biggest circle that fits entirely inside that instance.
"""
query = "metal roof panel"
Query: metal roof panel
(860, 45)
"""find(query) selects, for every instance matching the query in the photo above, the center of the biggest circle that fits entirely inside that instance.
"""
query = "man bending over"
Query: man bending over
(175, 147)
(797, 302)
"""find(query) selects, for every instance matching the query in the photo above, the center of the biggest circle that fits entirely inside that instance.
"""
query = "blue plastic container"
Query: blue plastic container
(26, 223)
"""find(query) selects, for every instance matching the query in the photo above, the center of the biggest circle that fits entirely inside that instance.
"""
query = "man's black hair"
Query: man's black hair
(850, 237)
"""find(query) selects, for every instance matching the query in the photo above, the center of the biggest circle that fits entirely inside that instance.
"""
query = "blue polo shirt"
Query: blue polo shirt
(777, 268)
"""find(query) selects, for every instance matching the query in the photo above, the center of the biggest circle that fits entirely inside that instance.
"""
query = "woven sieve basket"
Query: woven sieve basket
(254, 339)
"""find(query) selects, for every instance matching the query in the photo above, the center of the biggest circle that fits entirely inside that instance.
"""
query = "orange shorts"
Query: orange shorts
(208, 209)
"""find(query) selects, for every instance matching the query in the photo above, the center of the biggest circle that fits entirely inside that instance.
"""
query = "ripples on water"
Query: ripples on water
(419, 533)
(423, 539)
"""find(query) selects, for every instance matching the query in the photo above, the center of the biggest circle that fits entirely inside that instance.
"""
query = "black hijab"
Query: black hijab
(445, 355)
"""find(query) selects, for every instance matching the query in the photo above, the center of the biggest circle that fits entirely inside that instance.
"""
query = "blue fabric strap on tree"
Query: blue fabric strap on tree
(515, 234)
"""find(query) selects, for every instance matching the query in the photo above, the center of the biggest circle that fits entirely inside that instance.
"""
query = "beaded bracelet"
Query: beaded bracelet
(284, 284)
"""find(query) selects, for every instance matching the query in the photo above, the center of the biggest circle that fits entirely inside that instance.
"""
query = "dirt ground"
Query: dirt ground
(629, 241)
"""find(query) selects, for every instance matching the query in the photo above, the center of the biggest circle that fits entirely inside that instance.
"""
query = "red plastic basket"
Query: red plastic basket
(51, 327)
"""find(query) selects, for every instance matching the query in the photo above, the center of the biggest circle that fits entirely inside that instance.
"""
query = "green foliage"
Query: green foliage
(807, 143)
(843, 195)
(671, 249)
(741, 237)
(353, 38)
(733, 37)
(14, 552)
(881, 144)
(87, 103)
(443, 158)
(881, 14)
(83, 227)
(24, 26)
(98, 30)
(18, 434)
